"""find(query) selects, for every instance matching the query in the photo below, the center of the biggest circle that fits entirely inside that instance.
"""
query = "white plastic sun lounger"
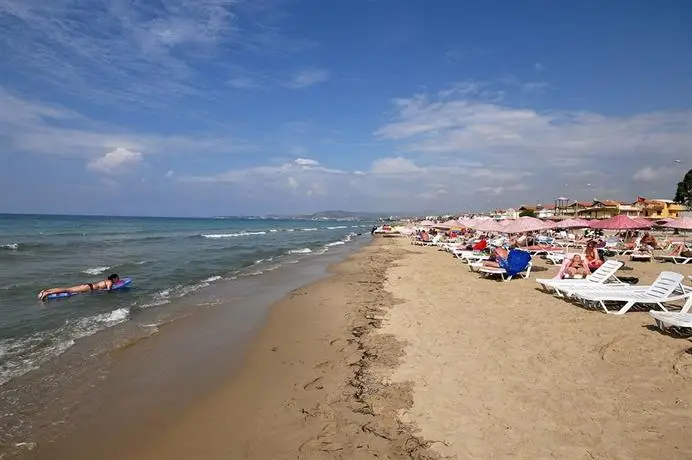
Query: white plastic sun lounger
(471, 257)
(660, 292)
(675, 259)
(640, 256)
(604, 274)
(677, 319)
(490, 271)
(555, 257)
(668, 319)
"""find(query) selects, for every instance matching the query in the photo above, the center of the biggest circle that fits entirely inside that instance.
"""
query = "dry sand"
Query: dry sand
(405, 354)
(503, 370)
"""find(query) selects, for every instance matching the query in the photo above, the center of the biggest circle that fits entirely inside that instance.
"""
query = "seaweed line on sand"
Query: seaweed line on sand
(375, 399)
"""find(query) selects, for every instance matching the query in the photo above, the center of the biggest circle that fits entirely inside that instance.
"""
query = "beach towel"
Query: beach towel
(480, 246)
(517, 261)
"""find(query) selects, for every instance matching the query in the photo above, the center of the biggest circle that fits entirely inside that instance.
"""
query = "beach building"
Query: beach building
(545, 211)
(572, 209)
(503, 214)
(629, 210)
(541, 211)
(658, 208)
(600, 209)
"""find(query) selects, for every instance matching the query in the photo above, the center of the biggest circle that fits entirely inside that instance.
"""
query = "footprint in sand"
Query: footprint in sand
(314, 384)
(683, 366)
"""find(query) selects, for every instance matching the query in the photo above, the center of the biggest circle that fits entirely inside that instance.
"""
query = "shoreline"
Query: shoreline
(311, 379)
(401, 352)
(106, 392)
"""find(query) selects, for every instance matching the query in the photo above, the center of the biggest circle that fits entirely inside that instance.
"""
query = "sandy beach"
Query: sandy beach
(503, 370)
(404, 353)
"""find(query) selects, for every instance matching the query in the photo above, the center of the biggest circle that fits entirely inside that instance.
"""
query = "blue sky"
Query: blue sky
(207, 107)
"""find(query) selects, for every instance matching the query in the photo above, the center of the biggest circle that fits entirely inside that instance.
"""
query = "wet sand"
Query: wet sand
(404, 353)
(307, 388)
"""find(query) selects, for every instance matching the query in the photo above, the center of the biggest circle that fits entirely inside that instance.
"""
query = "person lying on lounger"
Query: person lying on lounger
(498, 258)
(577, 267)
(648, 241)
(682, 251)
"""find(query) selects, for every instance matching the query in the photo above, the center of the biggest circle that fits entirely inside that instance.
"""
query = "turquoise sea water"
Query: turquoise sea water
(168, 259)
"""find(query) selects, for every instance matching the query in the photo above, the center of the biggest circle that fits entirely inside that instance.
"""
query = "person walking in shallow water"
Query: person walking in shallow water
(103, 285)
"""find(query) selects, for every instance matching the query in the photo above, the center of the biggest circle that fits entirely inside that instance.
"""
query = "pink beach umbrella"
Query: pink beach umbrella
(426, 223)
(682, 223)
(526, 224)
(621, 222)
(488, 225)
(452, 223)
(573, 223)
(648, 223)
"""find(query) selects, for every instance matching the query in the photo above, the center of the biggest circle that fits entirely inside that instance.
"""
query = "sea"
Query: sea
(167, 258)
(58, 359)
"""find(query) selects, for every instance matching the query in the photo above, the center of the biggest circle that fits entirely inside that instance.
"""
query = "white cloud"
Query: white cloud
(650, 174)
(306, 162)
(307, 77)
(170, 173)
(143, 52)
(244, 83)
(389, 183)
(478, 128)
(534, 86)
(396, 165)
(117, 161)
(539, 67)
(34, 127)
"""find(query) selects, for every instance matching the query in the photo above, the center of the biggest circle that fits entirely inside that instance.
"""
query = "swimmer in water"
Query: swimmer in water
(103, 285)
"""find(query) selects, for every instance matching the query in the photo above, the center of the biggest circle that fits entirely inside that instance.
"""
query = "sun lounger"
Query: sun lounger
(555, 257)
(518, 262)
(674, 320)
(675, 259)
(604, 274)
(471, 257)
(640, 255)
(662, 291)
(492, 271)
(677, 319)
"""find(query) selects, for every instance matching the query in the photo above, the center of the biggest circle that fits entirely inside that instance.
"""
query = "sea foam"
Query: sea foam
(95, 270)
(300, 251)
(232, 235)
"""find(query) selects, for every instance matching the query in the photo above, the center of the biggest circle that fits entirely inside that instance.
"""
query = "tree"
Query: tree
(527, 213)
(683, 194)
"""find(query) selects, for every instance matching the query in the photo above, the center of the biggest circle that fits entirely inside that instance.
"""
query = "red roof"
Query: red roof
(609, 202)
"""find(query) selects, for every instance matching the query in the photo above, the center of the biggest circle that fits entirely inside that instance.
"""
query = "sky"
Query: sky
(231, 107)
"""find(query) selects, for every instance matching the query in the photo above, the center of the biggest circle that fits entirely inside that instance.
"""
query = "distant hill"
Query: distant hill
(343, 215)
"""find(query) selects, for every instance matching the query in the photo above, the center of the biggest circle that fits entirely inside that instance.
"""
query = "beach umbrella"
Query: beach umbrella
(525, 224)
(682, 223)
(573, 223)
(620, 222)
(426, 223)
(452, 223)
(487, 225)
(644, 221)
